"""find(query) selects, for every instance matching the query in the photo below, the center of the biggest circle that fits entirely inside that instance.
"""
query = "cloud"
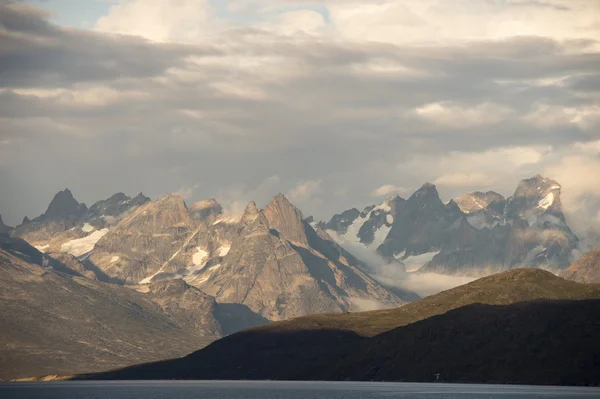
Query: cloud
(463, 180)
(36, 53)
(388, 190)
(395, 274)
(187, 192)
(227, 95)
(580, 196)
(458, 117)
(304, 191)
(158, 20)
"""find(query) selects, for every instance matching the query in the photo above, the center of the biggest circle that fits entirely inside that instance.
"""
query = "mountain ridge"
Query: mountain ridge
(476, 234)
(352, 346)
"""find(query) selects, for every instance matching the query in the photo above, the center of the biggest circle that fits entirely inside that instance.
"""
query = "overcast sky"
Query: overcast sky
(337, 103)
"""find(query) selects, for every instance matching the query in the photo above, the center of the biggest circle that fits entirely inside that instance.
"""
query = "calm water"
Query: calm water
(279, 390)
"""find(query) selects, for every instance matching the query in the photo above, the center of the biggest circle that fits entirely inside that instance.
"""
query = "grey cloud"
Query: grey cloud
(35, 53)
(324, 118)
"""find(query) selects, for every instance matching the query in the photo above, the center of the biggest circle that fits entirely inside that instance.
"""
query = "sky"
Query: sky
(336, 103)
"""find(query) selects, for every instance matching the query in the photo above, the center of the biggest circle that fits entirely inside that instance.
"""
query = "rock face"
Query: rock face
(163, 239)
(272, 261)
(586, 269)
(146, 242)
(545, 339)
(57, 318)
(280, 268)
(476, 234)
(110, 211)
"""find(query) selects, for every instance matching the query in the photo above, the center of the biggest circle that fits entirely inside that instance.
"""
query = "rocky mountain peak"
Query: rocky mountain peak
(167, 212)
(478, 200)
(536, 186)
(139, 199)
(535, 196)
(113, 208)
(251, 213)
(453, 207)
(64, 206)
(286, 219)
(4, 228)
(427, 192)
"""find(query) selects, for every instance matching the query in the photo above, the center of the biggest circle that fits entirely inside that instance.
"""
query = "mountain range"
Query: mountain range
(475, 234)
(195, 274)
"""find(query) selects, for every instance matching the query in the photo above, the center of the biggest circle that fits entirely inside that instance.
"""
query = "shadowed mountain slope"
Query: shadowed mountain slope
(328, 346)
(55, 320)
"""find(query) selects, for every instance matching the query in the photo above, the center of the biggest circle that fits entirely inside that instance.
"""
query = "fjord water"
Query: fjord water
(281, 390)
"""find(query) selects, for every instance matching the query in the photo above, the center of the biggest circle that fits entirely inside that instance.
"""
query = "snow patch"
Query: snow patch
(223, 250)
(42, 248)
(114, 259)
(200, 257)
(380, 235)
(87, 228)
(351, 235)
(547, 201)
(389, 218)
(83, 245)
(384, 206)
(215, 267)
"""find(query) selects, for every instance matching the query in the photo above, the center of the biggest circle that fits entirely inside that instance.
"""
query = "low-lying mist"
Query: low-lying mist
(395, 275)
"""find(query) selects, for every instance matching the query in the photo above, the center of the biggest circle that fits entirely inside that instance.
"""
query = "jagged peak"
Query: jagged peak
(141, 195)
(479, 200)
(64, 205)
(453, 206)
(281, 199)
(171, 198)
(4, 228)
(251, 213)
(284, 217)
(427, 190)
(536, 185)
(118, 196)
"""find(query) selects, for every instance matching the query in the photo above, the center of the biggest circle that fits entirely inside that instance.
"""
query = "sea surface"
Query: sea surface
(280, 390)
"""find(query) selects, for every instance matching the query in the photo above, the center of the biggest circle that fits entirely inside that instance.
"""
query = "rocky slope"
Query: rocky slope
(585, 269)
(476, 234)
(56, 318)
(164, 239)
(550, 319)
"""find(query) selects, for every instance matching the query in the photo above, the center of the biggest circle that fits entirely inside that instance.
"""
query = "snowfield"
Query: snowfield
(82, 246)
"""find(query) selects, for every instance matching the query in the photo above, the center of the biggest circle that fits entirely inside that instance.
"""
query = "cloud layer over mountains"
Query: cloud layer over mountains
(330, 101)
